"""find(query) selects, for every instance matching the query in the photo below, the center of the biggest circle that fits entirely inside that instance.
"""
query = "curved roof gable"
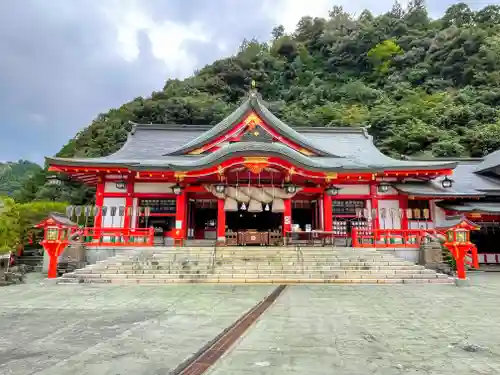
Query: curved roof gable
(252, 104)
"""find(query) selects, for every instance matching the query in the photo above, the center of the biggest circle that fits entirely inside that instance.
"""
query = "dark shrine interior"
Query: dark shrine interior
(261, 221)
(487, 238)
(302, 217)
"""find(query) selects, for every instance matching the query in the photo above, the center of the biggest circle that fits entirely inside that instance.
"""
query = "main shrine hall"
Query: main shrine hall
(252, 179)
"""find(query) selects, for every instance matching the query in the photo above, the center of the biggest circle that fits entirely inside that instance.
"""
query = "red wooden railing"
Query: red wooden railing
(93, 237)
(405, 238)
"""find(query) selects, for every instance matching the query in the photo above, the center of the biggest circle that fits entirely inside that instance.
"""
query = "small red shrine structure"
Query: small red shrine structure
(57, 231)
(457, 241)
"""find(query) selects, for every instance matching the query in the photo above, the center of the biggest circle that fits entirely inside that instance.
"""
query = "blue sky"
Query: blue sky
(62, 62)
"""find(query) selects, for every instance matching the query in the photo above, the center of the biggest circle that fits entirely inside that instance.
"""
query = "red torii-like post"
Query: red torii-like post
(457, 241)
(57, 231)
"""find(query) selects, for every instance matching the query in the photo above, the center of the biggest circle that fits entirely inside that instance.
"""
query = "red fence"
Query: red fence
(116, 236)
(405, 238)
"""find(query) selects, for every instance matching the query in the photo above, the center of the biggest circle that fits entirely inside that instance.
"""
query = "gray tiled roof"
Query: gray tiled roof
(489, 162)
(252, 103)
(166, 146)
(466, 182)
(257, 149)
(61, 219)
(479, 207)
(351, 147)
(451, 221)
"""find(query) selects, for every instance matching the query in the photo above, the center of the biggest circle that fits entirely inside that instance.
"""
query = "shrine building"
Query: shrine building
(252, 173)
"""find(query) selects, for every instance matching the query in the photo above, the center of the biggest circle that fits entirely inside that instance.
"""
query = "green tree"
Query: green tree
(10, 228)
(429, 87)
(382, 55)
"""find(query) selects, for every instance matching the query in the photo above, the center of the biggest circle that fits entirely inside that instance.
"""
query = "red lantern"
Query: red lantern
(459, 245)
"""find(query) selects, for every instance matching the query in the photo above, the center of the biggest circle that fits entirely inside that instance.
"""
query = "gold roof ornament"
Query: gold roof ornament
(253, 84)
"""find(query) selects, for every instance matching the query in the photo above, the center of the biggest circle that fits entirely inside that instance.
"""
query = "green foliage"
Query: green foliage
(382, 55)
(10, 228)
(429, 87)
(17, 220)
(33, 213)
(13, 175)
(448, 258)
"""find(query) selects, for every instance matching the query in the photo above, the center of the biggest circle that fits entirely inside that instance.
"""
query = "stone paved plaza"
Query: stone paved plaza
(407, 329)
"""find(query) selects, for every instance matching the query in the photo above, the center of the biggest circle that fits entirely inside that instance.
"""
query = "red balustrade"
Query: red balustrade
(93, 237)
(403, 238)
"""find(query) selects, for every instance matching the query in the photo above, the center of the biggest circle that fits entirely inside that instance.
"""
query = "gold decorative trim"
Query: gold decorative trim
(255, 164)
(180, 175)
(255, 159)
(252, 120)
(306, 152)
(331, 176)
(198, 151)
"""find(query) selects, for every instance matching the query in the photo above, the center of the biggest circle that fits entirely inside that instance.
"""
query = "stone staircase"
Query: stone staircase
(254, 265)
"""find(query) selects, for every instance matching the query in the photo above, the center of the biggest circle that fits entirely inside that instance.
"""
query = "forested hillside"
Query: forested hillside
(423, 87)
(13, 175)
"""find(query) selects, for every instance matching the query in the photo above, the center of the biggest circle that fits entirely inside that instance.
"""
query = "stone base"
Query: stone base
(462, 282)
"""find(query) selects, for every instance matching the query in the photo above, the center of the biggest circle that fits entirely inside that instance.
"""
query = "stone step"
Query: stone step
(270, 281)
(257, 271)
(329, 275)
(260, 265)
(354, 263)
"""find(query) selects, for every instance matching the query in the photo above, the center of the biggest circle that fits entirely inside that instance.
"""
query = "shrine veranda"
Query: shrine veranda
(252, 179)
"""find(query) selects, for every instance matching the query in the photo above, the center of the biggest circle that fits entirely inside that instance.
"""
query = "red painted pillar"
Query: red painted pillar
(52, 271)
(374, 204)
(129, 203)
(327, 213)
(460, 261)
(180, 216)
(403, 204)
(221, 222)
(287, 217)
(99, 201)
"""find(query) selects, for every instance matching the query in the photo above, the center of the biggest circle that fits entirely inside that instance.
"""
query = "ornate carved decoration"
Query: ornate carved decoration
(258, 134)
(252, 121)
(256, 164)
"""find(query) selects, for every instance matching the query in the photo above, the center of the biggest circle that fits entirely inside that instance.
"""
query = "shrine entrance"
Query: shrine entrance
(257, 221)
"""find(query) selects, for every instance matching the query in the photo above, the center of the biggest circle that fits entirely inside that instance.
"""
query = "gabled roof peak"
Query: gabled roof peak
(252, 106)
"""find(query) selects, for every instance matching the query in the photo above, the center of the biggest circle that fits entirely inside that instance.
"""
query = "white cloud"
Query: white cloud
(289, 12)
(167, 38)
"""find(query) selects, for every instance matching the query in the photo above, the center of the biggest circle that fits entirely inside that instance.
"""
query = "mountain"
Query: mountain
(421, 86)
(13, 175)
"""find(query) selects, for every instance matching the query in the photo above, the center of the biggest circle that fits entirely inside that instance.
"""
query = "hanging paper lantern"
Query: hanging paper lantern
(267, 207)
(243, 206)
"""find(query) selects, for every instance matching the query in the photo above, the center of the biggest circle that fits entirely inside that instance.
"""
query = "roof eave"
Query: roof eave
(86, 163)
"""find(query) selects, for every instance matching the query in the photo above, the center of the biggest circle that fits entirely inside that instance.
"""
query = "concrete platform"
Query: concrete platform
(355, 330)
(311, 329)
(97, 330)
